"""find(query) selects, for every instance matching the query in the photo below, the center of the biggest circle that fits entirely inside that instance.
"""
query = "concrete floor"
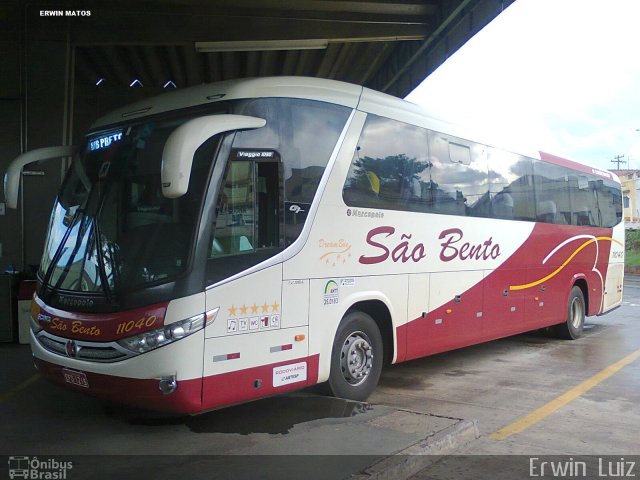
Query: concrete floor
(318, 437)
(499, 382)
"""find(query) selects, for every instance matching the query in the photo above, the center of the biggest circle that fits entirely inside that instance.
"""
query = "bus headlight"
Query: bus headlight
(170, 333)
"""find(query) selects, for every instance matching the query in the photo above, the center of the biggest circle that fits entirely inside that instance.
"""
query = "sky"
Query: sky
(561, 76)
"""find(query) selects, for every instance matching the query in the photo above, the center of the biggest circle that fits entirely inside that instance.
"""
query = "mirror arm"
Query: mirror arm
(181, 146)
(14, 172)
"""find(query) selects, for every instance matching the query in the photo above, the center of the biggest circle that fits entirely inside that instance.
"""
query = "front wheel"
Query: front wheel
(576, 311)
(356, 358)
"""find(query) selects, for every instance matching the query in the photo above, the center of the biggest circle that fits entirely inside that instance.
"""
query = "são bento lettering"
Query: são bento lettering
(453, 247)
(404, 248)
(76, 327)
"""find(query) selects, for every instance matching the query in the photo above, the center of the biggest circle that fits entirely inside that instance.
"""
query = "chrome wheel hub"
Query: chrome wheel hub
(577, 313)
(356, 358)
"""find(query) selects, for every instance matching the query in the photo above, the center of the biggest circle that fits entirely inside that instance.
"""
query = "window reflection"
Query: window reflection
(304, 133)
(398, 166)
(511, 186)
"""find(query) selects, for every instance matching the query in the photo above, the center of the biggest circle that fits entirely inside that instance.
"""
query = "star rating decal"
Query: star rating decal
(253, 317)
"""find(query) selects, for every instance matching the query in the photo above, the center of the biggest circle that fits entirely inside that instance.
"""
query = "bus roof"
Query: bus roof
(547, 157)
(332, 91)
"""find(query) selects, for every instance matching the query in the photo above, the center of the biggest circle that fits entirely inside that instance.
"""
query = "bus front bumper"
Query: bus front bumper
(137, 392)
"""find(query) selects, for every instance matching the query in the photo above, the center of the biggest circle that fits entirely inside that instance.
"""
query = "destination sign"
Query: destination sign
(104, 141)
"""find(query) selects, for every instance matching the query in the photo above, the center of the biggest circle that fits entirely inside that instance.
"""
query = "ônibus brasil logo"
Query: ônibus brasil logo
(37, 469)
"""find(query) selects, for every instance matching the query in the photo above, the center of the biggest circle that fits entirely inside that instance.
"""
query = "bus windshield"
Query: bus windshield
(111, 228)
(112, 231)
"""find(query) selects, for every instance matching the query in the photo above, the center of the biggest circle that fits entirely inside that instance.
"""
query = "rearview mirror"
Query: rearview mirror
(182, 144)
(12, 176)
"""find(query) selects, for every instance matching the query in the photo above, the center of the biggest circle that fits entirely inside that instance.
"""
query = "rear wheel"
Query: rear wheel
(356, 358)
(576, 311)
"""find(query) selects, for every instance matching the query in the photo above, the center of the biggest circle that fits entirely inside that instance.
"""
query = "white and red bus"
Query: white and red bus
(236, 240)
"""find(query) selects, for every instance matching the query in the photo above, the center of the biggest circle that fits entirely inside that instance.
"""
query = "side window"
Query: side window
(235, 211)
(511, 186)
(304, 133)
(458, 176)
(584, 200)
(248, 213)
(398, 166)
(248, 207)
(609, 202)
(553, 203)
(388, 167)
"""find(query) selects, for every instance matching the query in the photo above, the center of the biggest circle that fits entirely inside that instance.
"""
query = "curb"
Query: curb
(421, 454)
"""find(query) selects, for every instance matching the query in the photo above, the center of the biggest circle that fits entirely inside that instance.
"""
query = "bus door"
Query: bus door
(251, 350)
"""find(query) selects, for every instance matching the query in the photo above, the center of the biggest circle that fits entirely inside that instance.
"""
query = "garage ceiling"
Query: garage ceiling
(389, 46)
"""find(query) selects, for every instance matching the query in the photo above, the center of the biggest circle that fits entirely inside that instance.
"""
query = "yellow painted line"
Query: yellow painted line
(561, 267)
(10, 393)
(559, 402)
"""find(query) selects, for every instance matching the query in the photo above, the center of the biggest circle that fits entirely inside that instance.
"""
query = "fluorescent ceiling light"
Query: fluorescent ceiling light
(261, 45)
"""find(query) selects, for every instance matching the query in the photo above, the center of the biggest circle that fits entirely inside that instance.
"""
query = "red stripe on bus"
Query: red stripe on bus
(193, 395)
(98, 327)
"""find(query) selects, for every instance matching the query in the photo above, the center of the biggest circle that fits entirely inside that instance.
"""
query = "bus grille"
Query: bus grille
(88, 351)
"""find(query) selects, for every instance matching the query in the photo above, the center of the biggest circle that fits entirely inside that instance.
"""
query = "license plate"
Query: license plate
(75, 378)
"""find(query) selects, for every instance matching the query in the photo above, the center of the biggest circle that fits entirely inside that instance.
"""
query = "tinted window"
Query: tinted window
(568, 197)
(270, 180)
(551, 182)
(609, 202)
(304, 134)
(511, 186)
(112, 228)
(584, 200)
(398, 166)
(388, 167)
(457, 176)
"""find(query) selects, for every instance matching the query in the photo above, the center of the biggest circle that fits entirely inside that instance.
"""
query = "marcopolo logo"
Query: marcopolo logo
(75, 302)
(331, 293)
(38, 469)
(356, 213)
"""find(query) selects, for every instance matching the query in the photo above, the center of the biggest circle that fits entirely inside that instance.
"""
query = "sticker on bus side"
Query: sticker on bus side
(287, 374)
(331, 294)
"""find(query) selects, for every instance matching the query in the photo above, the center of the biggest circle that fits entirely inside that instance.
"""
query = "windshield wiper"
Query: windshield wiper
(81, 234)
(60, 249)
(97, 238)
(76, 247)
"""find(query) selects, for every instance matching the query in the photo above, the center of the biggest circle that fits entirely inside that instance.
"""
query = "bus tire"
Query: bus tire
(356, 357)
(576, 311)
